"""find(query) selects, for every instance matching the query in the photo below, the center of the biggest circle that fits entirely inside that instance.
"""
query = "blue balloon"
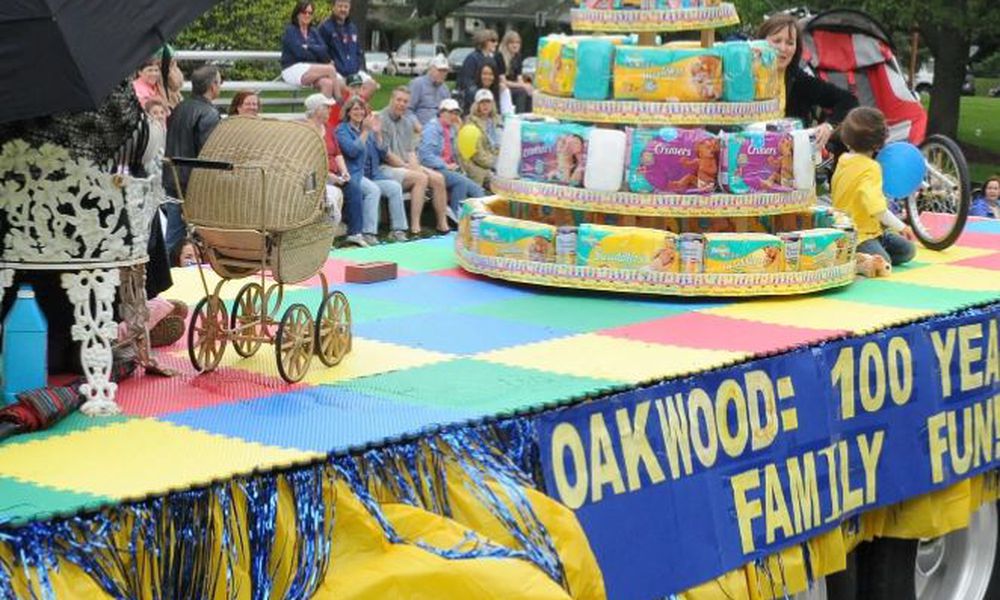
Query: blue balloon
(903, 169)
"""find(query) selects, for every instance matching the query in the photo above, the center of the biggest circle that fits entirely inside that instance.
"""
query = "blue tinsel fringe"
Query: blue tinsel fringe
(186, 544)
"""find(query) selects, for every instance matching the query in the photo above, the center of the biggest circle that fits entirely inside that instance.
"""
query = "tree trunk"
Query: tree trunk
(950, 47)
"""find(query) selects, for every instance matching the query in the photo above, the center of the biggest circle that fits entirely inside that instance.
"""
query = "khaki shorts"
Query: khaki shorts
(397, 174)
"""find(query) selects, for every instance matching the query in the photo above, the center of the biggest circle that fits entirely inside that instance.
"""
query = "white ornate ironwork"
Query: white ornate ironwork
(92, 293)
(64, 213)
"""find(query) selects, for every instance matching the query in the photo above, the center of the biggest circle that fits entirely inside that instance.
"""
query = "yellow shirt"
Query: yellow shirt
(857, 190)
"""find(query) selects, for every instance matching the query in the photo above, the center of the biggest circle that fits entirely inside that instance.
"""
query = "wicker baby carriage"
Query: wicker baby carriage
(255, 206)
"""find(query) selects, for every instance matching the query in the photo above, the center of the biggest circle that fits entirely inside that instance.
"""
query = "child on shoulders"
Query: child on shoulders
(857, 189)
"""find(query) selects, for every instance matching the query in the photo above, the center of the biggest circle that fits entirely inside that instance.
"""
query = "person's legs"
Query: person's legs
(457, 193)
(415, 182)
(439, 197)
(372, 194)
(323, 78)
(874, 247)
(900, 249)
(354, 206)
(176, 229)
(393, 193)
(334, 202)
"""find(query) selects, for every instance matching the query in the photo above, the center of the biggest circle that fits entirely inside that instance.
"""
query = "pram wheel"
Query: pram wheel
(294, 343)
(207, 335)
(248, 320)
(946, 190)
(333, 328)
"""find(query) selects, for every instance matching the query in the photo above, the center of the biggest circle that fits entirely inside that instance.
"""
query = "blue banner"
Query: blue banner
(680, 482)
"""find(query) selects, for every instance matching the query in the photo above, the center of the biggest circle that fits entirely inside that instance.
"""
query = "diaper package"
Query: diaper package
(607, 148)
(737, 71)
(554, 152)
(594, 57)
(510, 238)
(557, 67)
(743, 253)
(767, 84)
(667, 74)
(820, 248)
(755, 162)
(672, 160)
(626, 248)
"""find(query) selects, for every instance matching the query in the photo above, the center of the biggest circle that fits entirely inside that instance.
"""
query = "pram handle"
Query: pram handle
(198, 163)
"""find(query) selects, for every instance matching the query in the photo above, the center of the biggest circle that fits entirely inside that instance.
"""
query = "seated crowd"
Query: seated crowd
(407, 151)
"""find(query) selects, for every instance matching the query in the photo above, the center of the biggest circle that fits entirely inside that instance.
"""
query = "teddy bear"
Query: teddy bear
(872, 265)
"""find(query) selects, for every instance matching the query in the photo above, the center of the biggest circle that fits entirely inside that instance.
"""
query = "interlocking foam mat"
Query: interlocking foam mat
(436, 347)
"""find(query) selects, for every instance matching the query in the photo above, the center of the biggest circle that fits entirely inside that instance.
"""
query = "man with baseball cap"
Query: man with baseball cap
(439, 151)
(428, 90)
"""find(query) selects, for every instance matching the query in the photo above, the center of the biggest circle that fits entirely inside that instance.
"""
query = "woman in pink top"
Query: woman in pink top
(148, 83)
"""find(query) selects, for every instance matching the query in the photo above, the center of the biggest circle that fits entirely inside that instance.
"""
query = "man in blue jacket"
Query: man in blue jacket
(342, 40)
(438, 150)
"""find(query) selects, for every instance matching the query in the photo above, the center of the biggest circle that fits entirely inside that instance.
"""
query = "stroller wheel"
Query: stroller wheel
(207, 333)
(294, 343)
(247, 320)
(938, 210)
(333, 328)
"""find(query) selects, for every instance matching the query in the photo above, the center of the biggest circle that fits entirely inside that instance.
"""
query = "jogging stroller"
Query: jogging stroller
(852, 50)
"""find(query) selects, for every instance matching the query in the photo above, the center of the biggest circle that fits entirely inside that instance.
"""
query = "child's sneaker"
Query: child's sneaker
(398, 236)
(371, 239)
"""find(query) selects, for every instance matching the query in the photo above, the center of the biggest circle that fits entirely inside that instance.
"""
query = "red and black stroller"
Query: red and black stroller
(852, 50)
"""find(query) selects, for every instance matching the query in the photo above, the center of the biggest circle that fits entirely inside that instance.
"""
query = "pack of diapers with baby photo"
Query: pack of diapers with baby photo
(752, 161)
(512, 238)
(615, 247)
(554, 152)
(667, 74)
(672, 160)
(743, 253)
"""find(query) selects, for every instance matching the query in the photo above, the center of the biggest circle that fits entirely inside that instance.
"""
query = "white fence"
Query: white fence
(291, 98)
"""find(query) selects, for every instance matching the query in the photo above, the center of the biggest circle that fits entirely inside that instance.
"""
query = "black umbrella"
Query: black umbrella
(67, 55)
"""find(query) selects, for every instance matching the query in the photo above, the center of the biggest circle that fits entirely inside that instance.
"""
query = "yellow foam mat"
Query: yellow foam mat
(137, 458)
(950, 255)
(952, 277)
(616, 359)
(823, 313)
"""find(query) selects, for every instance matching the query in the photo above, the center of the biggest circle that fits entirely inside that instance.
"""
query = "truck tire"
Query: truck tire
(962, 565)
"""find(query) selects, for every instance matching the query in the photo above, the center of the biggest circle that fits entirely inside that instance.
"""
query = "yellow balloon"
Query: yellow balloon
(468, 139)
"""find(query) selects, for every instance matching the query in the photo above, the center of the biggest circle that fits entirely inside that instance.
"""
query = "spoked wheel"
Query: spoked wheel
(938, 210)
(333, 328)
(207, 333)
(247, 321)
(294, 343)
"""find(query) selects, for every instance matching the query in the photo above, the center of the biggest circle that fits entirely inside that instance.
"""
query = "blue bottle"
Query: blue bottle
(25, 340)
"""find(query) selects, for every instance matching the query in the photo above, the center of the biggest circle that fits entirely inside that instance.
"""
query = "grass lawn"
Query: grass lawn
(979, 126)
